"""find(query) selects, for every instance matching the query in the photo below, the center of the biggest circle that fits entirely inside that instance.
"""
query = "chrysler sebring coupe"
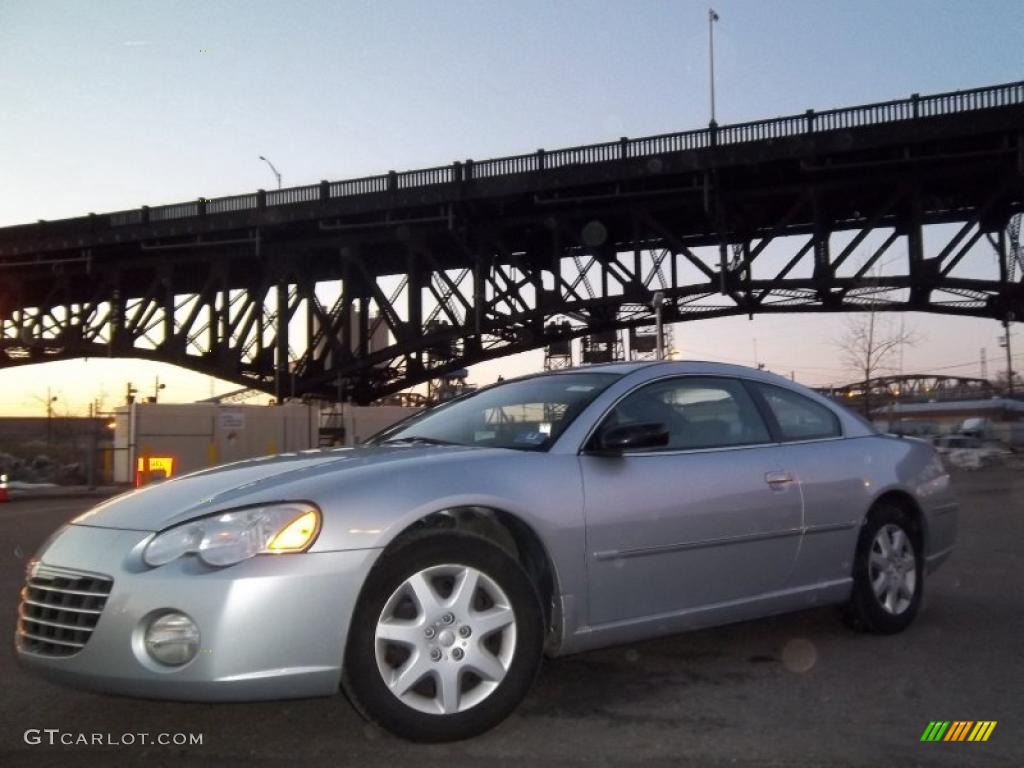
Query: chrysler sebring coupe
(426, 573)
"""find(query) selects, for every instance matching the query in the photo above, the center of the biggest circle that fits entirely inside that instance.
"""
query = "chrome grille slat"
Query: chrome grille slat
(58, 624)
(81, 592)
(27, 601)
(59, 610)
(29, 635)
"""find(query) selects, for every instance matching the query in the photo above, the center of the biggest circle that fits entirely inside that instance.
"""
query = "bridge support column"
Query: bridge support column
(281, 337)
(414, 304)
(922, 273)
(117, 320)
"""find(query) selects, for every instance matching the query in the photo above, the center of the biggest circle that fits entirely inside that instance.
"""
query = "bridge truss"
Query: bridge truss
(915, 388)
(360, 289)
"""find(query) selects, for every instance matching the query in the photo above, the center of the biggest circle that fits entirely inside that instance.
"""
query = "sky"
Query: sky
(111, 106)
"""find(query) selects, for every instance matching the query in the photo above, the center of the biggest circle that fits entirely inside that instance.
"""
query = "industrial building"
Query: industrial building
(153, 441)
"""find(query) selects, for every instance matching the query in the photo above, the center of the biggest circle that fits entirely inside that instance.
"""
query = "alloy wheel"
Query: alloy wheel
(445, 639)
(892, 569)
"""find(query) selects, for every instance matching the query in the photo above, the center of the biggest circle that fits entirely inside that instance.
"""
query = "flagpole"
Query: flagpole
(712, 18)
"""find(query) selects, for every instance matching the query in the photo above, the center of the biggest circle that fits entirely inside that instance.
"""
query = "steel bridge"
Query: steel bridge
(915, 388)
(362, 288)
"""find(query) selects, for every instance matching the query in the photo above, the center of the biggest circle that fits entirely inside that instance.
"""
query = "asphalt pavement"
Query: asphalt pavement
(792, 690)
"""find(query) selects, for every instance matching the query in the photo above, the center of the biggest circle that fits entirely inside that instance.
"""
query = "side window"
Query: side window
(699, 412)
(799, 418)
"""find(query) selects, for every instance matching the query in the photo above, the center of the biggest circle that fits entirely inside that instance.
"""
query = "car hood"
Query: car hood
(288, 477)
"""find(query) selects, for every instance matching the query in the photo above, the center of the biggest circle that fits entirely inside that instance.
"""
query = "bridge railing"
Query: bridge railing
(233, 203)
(687, 141)
(503, 166)
(809, 122)
(426, 177)
(365, 186)
(293, 195)
(174, 211)
(759, 130)
(966, 101)
(592, 153)
(124, 218)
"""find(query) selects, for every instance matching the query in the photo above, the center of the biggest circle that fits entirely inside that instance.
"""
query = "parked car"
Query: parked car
(944, 444)
(427, 574)
(968, 452)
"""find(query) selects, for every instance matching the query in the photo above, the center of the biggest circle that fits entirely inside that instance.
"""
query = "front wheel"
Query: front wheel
(888, 573)
(446, 638)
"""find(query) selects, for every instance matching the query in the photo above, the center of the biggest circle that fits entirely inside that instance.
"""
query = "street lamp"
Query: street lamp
(272, 168)
(657, 301)
(156, 390)
(50, 400)
(712, 18)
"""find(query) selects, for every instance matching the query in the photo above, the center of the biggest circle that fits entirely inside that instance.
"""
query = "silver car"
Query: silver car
(427, 574)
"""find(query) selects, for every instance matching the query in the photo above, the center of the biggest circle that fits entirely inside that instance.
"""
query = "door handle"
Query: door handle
(778, 479)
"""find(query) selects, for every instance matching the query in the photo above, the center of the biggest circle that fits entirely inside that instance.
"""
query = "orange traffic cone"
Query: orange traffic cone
(4, 495)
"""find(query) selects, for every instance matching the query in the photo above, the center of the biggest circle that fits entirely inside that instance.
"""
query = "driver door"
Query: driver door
(714, 516)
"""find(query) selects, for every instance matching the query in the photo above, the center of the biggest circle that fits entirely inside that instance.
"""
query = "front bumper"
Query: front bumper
(271, 627)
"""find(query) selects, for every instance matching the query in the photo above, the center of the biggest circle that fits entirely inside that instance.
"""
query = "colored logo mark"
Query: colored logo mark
(958, 730)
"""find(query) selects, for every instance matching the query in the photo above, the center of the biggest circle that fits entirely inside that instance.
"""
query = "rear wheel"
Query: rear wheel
(888, 574)
(446, 638)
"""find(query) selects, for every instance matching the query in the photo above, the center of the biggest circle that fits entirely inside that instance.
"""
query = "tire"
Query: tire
(412, 666)
(887, 588)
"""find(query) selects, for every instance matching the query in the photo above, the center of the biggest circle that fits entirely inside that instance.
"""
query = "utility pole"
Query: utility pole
(50, 400)
(657, 301)
(90, 456)
(712, 18)
(157, 386)
(903, 335)
(1009, 356)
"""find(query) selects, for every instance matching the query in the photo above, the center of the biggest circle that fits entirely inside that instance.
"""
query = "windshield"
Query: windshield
(525, 414)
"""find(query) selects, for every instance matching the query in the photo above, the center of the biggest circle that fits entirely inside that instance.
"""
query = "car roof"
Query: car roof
(679, 366)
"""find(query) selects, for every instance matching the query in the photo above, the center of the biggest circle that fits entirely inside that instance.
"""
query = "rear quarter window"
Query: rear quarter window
(799, 417)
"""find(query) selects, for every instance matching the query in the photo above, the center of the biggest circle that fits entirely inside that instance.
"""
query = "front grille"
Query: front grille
(59, 610)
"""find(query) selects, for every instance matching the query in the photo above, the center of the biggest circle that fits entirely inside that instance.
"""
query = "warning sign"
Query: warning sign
(231, 421)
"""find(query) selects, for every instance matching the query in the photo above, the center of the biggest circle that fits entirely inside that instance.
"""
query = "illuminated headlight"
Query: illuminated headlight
(231, 537)
(172, 639)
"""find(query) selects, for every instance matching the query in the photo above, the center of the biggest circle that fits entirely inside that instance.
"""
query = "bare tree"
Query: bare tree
(869, 346)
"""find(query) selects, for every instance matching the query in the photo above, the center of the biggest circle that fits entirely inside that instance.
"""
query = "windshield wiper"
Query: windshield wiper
(418, 439)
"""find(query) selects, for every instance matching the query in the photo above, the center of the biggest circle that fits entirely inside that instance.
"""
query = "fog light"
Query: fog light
(172, 639)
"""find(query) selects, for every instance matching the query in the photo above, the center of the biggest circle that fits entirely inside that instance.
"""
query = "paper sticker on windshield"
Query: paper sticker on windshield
(487, 435)
(530, 438)
(579, 388)
(544, 428)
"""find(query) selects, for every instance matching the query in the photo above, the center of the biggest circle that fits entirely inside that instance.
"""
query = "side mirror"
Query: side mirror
(626, 437)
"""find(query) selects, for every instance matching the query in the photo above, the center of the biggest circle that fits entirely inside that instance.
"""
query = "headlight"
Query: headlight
(230, 537)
